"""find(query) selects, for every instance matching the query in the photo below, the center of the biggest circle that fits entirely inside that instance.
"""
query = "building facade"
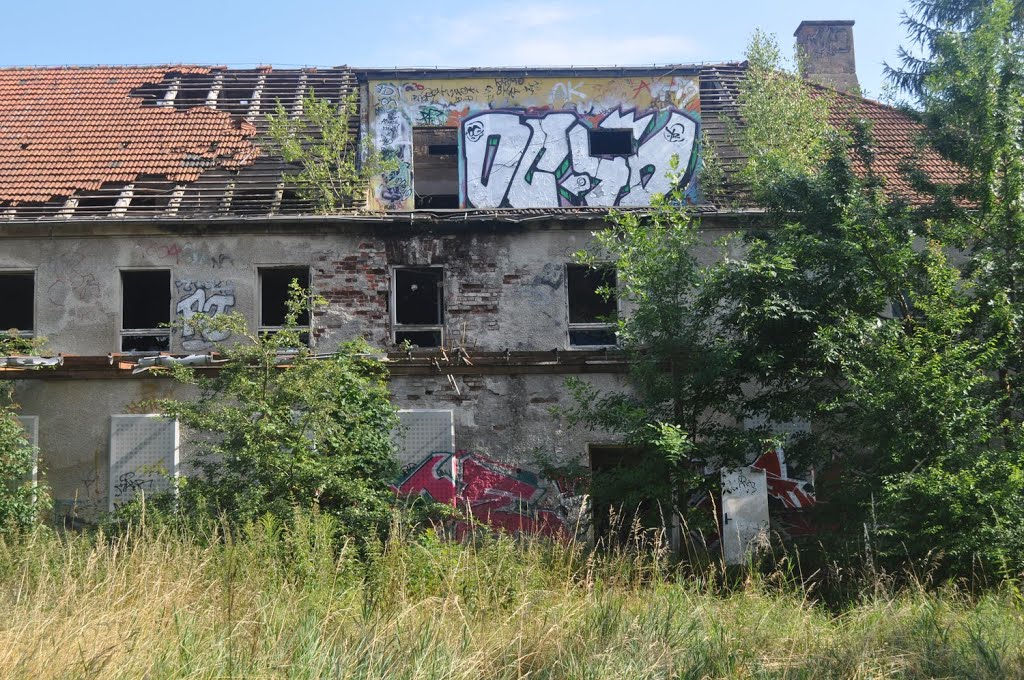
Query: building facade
(134, 197)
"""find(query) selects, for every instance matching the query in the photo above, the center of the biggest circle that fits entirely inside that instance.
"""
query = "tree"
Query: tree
(839, 306)
(21, 501)
(322, 145)
(276, 427)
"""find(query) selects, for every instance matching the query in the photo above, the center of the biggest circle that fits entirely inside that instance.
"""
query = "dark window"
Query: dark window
(17, 291)
(419, 305)
(443, 149)
(145, 310)
(592, 312)
(275, 283)
(629, 491)
(436, 167)
(611, 142)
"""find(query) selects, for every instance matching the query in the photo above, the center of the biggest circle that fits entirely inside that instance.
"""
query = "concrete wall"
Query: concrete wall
(504, 289)
(523, 141)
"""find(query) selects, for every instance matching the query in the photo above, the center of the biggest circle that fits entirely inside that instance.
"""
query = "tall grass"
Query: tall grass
(292, 603)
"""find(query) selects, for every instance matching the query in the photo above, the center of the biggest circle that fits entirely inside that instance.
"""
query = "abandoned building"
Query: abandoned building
(134, 196)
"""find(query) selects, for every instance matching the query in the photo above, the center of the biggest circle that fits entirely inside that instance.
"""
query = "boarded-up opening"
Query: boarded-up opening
(145, 310)
(143, 456)
(418, 305)
(592, 313)
(17, 291)
(436, 167)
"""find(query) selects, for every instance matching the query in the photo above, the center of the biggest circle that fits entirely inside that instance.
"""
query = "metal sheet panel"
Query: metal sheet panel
(423, 432)
(144, 452)
(744, 512)
(426, 450)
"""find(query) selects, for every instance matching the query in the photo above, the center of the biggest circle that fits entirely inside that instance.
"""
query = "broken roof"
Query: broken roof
(184, 142)
(146, 141)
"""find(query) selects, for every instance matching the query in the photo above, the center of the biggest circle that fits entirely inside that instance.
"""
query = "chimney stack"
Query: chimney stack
(826, 48)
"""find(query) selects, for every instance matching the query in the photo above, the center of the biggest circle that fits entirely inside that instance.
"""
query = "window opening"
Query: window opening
(275, 289)
(626, 486)
(17, 290)
(592, 314)
(611, 142)
(418, 305)
(145, 307)
(436, 167)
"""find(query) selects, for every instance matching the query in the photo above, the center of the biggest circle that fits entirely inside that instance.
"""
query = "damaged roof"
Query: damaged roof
(188, 142)
(148, 141)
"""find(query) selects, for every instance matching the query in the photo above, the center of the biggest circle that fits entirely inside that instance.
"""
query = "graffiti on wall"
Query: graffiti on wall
(671, 105)
(517, 160)
(503, 496)
(203, 297)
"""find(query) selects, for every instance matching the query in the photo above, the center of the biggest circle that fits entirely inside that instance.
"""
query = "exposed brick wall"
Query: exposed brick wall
(356, 289)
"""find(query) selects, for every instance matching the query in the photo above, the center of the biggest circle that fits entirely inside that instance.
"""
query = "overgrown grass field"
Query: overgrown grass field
(276, 603)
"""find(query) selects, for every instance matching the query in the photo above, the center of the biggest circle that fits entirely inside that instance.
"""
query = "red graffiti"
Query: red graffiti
(794, 493)
(505, 497)
(640, 88)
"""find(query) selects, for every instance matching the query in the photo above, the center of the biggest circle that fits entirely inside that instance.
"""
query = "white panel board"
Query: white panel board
(422, 432)
(144, 452)
(31, 425)
(744, 512)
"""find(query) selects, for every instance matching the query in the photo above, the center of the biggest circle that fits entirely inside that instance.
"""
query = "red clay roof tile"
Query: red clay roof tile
(68, 130)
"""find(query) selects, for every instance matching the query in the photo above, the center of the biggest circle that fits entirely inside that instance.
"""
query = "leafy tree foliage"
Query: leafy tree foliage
(849, 307)
(276, 427)
(321, 150)
(21, 502)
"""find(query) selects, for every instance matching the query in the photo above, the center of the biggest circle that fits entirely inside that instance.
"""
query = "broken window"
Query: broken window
(630, 491)
(275, 291)
(145, 310)
(417, 297)
(436, 164)
(17, 290)
(593, 307)
(611, 142)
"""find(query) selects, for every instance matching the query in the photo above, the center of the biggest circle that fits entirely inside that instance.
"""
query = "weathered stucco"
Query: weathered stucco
(504, 289)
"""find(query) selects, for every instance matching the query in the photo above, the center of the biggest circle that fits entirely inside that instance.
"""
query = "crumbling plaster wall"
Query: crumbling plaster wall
(504, 285)
(504, 289)
(503, 417)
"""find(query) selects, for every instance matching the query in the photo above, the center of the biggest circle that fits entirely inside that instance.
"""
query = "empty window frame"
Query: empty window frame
(145, 310)
(592, 313)
(17, 290)
(275, 291)
(611, 141)
(436, 167)
(417, 305)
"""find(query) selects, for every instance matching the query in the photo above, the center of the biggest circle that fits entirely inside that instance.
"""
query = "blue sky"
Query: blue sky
(404, 33)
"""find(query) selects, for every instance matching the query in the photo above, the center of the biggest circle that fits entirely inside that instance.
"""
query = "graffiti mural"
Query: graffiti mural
(203, 297)
(794, 494)
(527, 160)
(528, 114)
(503, 496)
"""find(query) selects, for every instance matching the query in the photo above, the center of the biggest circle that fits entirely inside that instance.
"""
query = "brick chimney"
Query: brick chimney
(826, 48)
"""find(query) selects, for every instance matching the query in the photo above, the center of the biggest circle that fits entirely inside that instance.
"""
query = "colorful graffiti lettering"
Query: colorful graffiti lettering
(793, 493)
(505, 497)
(396, 107)
(521, 160)
(203, 297)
